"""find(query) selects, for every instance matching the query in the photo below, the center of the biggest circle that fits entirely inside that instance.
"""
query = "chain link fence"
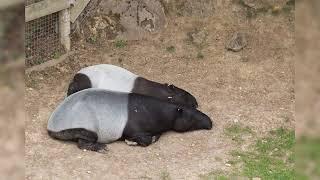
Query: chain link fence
(42, 38)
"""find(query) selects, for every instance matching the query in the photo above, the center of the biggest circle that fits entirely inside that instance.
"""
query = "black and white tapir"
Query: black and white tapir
(114, 78)
(94, 117)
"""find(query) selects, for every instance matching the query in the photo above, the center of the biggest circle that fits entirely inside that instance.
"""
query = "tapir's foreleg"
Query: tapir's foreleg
(88, 140)
(92, 146)
(143, 139)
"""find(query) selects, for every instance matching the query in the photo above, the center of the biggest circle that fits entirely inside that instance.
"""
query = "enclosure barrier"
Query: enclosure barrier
(47, 30)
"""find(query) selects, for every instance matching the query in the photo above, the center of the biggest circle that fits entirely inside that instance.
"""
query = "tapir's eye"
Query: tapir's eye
(171, 86)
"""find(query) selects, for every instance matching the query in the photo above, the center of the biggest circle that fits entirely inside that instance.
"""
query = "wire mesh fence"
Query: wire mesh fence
(42, 39)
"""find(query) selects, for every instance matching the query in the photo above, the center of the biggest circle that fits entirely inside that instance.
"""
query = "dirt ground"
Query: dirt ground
(308, 69)
(253, 87)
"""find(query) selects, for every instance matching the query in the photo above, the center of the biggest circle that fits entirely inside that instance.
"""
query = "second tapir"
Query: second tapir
(93, 117)
(114, 78)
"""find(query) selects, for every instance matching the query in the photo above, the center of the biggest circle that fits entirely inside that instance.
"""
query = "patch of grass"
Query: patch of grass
(56, 55)
(214, 175)
(145, 177)
(275, 10)
(307, 158)
(236, 131)
(165, 175)
(200, 55)
(120, 43)
(171, 49)
(92, 39)
(281, 141)
(271, 157)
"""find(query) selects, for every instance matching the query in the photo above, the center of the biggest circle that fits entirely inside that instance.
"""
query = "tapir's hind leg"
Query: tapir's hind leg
(85, 139)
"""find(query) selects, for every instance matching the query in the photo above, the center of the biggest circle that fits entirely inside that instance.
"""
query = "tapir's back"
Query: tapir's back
(107, 76)
(101, 111)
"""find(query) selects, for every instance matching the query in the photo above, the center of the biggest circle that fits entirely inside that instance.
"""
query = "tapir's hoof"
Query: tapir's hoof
(103, 150)
(131, 143)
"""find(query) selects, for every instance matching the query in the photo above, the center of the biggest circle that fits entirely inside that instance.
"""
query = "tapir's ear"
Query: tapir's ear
(171, 87)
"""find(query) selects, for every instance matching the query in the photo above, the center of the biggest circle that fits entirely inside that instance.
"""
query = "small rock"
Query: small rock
(245, 59)
(84, 150)
(254, 4)
(89, 172)
(237, 42)
(256, 178)
(229, 165)
(235, 120)
(198, 37)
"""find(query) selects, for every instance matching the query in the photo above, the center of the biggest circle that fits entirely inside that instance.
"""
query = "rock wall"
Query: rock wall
(138, 17)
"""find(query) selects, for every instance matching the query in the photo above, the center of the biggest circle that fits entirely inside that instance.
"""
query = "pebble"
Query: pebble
(89, 172)
(237, 42)
(84, 150)
(229, 165)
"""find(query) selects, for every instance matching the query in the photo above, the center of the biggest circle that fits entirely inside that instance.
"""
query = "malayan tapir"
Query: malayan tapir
(114, 78)
(94, 117)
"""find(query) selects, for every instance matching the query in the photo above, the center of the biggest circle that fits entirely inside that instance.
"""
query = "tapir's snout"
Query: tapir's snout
(208, 124)
(204, 121)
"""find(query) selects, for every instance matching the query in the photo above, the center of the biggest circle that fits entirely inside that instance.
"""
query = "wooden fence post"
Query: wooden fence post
(64, 28)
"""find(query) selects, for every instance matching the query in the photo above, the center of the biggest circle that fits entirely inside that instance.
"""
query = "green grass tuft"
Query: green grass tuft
(200, 55)
(92, 39)
(214, 176)
(165, 175)
(236, 132)
(120, 43)
(281, 141)
(307, 158)
(171, 49)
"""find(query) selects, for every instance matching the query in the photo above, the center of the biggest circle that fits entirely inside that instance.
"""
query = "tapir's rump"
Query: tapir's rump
(106, 76)
(101, 111)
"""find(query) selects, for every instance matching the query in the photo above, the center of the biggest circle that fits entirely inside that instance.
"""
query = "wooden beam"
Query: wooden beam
(64, 28)
(6, 4)
(44, 8)
(77, 8)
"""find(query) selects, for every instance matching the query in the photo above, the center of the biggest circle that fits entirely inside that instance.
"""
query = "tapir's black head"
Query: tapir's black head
(180, 96)
(189, 119)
